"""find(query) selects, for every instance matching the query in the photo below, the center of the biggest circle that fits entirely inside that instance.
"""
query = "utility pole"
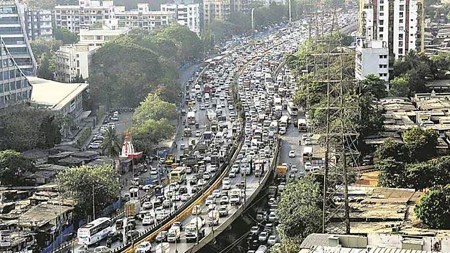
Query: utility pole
(93, 202)
(326, 66)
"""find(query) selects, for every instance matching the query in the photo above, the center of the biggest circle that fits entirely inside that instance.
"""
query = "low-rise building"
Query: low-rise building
(98, 37)
(62, 98)
(141, 18)
(72, 62)
(372, 58)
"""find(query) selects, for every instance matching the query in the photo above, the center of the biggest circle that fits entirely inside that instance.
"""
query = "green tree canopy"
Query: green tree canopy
(432, 208)
(391, 148)
(24, 128)
(147, 135)
(154, 108)
(392, 173)
(298, 209)
(12, 168)
(374, 86)
(64, 35)
(421, 143)
(81, 183)
(400, 86)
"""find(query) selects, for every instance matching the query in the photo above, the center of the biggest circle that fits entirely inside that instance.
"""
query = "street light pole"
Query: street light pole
(290, 10)
(93, 202)
(253, 20)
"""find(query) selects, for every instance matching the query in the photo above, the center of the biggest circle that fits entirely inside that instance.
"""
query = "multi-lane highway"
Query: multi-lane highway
(230, 133)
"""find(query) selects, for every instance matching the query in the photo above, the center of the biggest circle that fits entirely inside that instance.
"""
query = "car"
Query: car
(216, 193)
(166, 203)
(102, 249)
(147, 205)
(223, 211)
(183, 190)
(224, 200)
(210, 200)
(148, 220)
(211, 206)
(232, 174)
(132, 235)
(202, 107)
(147, 187)
(161, 237)
(262, 237)
(272, 217)
(291, 154)
(254, 230)
(198, 133)
(294, 168)
(196, 210)
(184, 197)
(261, 249)
(94, 145)
(144, 247)
(272, 240)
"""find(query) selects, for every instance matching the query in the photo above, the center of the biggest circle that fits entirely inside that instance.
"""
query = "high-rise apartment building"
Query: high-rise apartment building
(14, 86)
(38, 23)
(14, 36)
(399, 23)
(185, 14)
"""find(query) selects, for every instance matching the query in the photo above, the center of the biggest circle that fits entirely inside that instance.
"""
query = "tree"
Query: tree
(111, 143)
(64, 35)
(432, 208)
(86, 184)
(399, 86)
(391, 148)
(25, 128)
(421, 143)
(154, 108)
(12, 168)
(420, 176)
(148, 134)
(374, 86)
(299, 211)
(392, 173)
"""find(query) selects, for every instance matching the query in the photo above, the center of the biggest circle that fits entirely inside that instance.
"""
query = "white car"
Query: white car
(184, 197)
(148, 220)
(102, 249)
(144, 247)
(292, 154)
(94, 145)
(294, 168)
(202, 107)
(272, 240)
(147, 205)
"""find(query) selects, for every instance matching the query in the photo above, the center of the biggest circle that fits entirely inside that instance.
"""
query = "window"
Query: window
(402, 7)
(383, 56)
(382, 66)
(381, 29)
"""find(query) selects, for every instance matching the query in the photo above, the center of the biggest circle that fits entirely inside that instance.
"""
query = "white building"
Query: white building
(87, 13)
(141, 18)
(73, 61)
(38, 24)
(61, 98)
(98, 37)
(185, 14)
(372, 58)
(399, 23)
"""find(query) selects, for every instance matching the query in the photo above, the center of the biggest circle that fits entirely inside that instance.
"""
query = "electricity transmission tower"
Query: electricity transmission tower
(329, 71)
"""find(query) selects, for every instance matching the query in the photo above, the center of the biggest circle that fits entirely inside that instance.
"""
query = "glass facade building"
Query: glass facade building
(14, 86)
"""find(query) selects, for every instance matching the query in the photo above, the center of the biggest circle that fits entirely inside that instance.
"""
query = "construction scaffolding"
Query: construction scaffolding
(328, 77)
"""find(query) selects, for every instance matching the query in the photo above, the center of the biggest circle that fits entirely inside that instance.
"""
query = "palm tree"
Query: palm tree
(111, 143)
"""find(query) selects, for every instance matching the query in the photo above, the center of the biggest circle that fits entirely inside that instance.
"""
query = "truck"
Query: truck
(301, 124)
(235, 196)
(191, 118)
(132, 208)
(193, 233)
(174, 234)
(281, 171)
(213, 218)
